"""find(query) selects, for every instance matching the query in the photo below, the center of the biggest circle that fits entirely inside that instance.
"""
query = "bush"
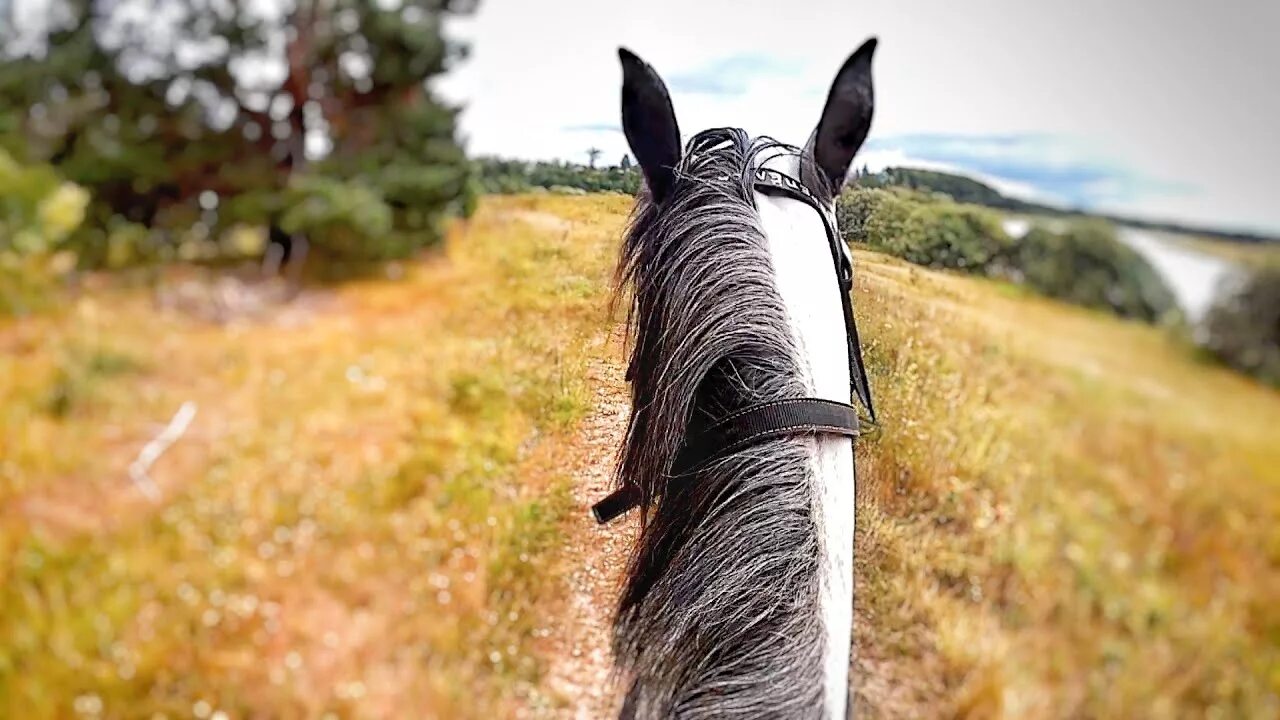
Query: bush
(957, 237)
(1242, 328)
(1087, 265)
(923, 229)
(346, 220)
(38, 211)
(872, 216)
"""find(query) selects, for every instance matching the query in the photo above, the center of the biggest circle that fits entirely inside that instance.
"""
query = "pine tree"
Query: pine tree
(331, 134)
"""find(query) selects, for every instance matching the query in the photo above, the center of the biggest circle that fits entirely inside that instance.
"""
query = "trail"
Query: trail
(596, 556)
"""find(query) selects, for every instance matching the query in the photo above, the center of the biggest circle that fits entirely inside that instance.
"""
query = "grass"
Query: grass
(1243, 253)
(362, 517)
(1065, 516)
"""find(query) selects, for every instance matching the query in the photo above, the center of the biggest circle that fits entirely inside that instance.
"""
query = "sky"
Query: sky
(1155, 109)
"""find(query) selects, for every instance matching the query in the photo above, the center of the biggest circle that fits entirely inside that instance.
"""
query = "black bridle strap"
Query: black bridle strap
(772, 182)
(770, 419)
(762, 421)
(781, 417)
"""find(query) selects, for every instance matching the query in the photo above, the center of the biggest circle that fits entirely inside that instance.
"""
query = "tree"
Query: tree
(626, 162)
(1242, 326)
(285, 113)
(593, 154)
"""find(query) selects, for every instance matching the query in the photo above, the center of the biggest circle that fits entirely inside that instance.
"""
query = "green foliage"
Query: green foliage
(503, 176)
(345, 219)
(1242, 329)
(922, 229)
(1087, 265)
(38, 210)
(871, 216)
(967, 190)
(959, 237)
(175, 142)
(957, 187)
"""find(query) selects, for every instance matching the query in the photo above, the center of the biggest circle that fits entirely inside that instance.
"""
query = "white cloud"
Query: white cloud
(1176, 91)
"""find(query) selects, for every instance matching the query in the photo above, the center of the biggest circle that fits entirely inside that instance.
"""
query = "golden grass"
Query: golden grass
(1066, 515)
(358, 521)
(1244, 253)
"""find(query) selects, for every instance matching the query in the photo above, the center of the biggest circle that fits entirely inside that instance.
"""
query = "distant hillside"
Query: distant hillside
(509, 175)
(968, 190)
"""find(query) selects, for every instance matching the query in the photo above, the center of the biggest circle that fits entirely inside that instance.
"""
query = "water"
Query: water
(1195, 278)
(1015, 227)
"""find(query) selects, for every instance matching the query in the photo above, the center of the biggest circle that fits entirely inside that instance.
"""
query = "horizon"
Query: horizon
(1189, 228)
(1147, 123)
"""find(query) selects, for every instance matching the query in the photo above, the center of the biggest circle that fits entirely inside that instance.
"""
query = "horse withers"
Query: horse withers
(738, 598)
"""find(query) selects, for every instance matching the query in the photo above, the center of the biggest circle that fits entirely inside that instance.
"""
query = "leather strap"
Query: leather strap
(740, 429)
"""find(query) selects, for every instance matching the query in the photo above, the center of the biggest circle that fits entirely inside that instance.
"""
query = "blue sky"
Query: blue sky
(1154, 109)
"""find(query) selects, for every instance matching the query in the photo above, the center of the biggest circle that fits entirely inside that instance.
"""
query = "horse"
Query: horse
(737, 600)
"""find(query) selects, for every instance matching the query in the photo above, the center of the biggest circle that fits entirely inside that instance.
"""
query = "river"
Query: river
(1194, 277)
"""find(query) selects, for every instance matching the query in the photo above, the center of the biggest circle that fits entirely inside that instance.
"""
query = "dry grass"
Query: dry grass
(1065, 516)
(1245, 253)
(364, 517)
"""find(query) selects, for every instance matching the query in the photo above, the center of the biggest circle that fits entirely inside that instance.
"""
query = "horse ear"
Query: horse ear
(649, 123)
(846, 119)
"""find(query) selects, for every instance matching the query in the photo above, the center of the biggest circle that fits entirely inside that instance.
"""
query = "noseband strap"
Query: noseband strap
(776, 418)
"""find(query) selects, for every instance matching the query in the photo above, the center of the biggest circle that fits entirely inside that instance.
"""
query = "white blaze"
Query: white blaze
(806, 280)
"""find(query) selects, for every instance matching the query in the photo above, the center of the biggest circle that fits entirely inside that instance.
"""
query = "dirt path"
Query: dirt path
(596, 556)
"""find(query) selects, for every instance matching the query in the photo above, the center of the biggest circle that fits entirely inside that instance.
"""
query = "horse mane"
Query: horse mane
(719, 613)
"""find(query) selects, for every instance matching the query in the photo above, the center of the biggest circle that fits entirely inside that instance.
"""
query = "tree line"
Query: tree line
(1081, 262)
(505, 175)
(967, 190)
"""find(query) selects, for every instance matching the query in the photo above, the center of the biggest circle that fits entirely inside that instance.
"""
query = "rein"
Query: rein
(776, 418)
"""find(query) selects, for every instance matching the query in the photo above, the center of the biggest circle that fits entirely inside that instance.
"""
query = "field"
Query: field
(1245, 254)
(376, 509)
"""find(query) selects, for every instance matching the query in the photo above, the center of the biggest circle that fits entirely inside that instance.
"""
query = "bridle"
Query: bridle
(776, 418)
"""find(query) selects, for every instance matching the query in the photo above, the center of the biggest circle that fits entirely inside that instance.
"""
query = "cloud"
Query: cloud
(1053, 167)
(1074, 103)
(593, 128)
(731, 76)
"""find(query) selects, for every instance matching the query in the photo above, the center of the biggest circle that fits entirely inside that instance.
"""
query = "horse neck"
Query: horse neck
(738, 600)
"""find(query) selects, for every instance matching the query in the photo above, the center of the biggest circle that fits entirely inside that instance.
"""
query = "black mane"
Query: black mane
(719, 616)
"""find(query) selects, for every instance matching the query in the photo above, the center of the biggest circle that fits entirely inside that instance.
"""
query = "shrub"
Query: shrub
(1242, 328)
(346, 220)
(38, 211)
(958, 237)
(1087, 265)
(922, 229)
(858, 210)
